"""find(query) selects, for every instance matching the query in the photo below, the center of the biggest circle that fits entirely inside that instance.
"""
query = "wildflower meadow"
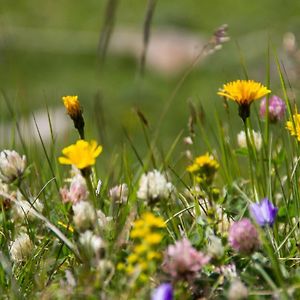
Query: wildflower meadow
(210, 212)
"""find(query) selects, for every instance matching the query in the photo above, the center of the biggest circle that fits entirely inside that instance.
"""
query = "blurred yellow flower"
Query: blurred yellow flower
(72, 105)
(204, 167)
(147, 237)
(294, 126)
(82, 154)
(243, 91)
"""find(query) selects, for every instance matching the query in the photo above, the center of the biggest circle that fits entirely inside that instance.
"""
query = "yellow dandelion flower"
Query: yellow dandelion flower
(153, 238)
(82, 154)
(294, 127)
(244, 92)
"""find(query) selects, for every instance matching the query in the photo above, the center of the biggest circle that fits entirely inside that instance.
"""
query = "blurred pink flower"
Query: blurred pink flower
(243, 236)
(183, 261)
(77, 192)
(276, 108)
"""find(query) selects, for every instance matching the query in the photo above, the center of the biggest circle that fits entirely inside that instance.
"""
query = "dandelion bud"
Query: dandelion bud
(243, 236)
(237, 291)
(84, 215)
(21, 248)
(78, 190)
(119, 193)
(74, 110)
(163, 292)
(154, 186)
(12, 165)
(276, 109)
(183, 261)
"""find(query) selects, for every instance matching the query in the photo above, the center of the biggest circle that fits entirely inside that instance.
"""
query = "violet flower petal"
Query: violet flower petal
(163, 292)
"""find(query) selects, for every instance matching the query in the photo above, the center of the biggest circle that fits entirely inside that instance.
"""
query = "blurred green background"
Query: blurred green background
(50, 48)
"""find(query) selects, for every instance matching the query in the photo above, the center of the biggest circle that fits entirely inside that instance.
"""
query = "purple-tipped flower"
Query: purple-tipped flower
(163, 292)
(183, 261)
(243, 236)
(264, 213)
(276, 108)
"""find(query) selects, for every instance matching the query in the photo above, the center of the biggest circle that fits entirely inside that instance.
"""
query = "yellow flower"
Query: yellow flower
(204, 161)
(152, 220)
(204, 167)
(82, 154)
(72, 105)
(244, 92)
(153, 238)
(294, 127)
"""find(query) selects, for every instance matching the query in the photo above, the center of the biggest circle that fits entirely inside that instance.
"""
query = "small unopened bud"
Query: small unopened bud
(74, 110)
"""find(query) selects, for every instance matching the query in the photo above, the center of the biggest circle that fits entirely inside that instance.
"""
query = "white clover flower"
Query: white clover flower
(84, 215)
(154, 186)
(119, 193)
(78, 190)
(103, 220)
(21, 248)
(91, 242)
(24, 210)
(237, 291)
(214, 247)
(12, 165)
(242, 141)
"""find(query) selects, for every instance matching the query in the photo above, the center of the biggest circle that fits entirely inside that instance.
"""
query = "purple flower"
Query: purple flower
(276, 108)
(264, 212)
(243, 236)
(163, 292)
